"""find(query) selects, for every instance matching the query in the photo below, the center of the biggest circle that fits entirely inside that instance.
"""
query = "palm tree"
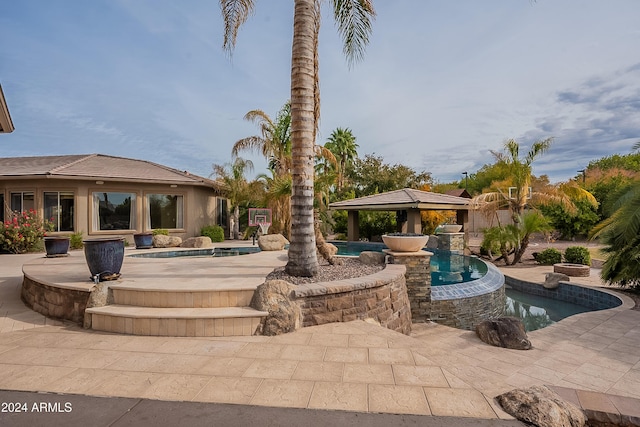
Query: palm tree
(343, 145)
(620, 232)
(274, 143)
(354, 25)
(238, 190)
(516, 194)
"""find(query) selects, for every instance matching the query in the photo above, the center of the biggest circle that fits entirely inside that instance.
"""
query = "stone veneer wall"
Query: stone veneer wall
(55, 302)
(453, 242)
(466, 313)
(381, 296)
(418, 281)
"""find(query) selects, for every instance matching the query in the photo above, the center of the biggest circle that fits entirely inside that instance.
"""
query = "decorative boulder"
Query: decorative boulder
(540, 406)
(197, 242)
(162, 241)
(506, 332)
(372, 257)
(284, 314)
(272, 242)
(552, 280)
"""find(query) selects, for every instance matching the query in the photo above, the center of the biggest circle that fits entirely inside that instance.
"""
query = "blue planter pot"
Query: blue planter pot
(143, 240)
(56, 246)
(104, 257)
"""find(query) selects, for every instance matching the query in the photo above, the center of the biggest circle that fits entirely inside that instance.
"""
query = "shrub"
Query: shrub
(549, 256)
(162, 231)
(214, 232)
(23, 232)
(577, 255)
(75, 240)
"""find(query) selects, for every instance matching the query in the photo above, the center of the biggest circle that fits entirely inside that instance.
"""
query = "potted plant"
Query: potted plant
(143, 240)
(104, 256)
(56, 246)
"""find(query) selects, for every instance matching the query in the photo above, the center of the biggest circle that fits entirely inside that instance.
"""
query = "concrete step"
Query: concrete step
(179, 322)
(190, 298)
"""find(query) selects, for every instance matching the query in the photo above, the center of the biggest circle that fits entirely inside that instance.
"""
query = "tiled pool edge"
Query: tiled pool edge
(595, 299)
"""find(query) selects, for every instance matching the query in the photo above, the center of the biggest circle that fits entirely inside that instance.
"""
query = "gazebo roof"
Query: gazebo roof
(407, 198)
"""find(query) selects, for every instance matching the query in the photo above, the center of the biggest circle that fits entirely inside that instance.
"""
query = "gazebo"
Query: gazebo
(407, 203)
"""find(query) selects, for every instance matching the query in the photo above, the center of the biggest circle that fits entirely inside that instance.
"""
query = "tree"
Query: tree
(353, 18)
(238, 190)
(372, 176)
(343, 145)
(620, 232)
(516, 192)
(274, 141)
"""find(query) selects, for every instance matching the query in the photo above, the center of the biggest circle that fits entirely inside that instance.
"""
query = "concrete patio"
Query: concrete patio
(357, 366)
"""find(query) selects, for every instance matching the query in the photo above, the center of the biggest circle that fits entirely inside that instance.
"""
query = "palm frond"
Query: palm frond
(234, 14)
(353, 18)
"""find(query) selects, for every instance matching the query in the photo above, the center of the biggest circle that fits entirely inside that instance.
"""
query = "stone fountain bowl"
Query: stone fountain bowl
(405, 243)
(449, 228)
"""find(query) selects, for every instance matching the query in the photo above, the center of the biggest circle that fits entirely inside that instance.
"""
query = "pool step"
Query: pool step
(181, 322)
(172, 298)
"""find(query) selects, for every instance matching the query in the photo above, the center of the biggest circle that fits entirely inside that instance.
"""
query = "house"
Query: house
(100, 195)
(6, 125)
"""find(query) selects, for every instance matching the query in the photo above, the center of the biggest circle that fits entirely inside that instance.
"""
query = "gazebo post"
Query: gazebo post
(462, 217)
(353, 227)
(413, 223)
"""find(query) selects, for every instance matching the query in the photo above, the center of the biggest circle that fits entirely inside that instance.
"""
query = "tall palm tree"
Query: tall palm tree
(354, 25)
(238, 189)
(515, 193)
(343, 145)
(274, 141)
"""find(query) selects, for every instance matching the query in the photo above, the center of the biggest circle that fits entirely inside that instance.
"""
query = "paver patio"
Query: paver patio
(354, 366)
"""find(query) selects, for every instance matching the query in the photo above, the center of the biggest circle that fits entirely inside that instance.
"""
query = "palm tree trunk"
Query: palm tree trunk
(302, 250)
(236, 222)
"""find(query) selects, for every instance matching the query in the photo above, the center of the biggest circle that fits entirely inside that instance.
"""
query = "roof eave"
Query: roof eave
(6, 124)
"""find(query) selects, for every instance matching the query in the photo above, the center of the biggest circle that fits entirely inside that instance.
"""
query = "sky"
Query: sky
(442, 83)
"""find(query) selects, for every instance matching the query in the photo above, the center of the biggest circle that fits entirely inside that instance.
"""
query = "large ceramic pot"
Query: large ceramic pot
(56, 246)
(143, 240)
(405, 242)
(104, 257)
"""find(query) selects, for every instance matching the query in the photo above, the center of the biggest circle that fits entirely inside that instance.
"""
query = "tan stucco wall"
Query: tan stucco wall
(199, 203)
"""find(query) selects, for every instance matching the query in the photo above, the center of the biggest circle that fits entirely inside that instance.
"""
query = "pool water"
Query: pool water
(446, 268)
(537, 311)
(216, 252)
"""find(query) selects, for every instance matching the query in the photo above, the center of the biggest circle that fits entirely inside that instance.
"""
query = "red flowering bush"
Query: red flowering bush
(22, 232)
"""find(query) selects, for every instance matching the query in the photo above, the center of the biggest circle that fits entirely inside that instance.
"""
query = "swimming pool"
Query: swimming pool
(537, 312)
(447, 268)
(215, 252)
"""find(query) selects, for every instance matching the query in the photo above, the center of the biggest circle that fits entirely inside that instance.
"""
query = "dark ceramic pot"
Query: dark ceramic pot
(104, 257)
(56, 246)
(143, 240)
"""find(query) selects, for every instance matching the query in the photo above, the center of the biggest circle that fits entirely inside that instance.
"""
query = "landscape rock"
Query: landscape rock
(162, 241)
(540, 406)
(552, 280)
(100, 296)
(284, 316)
(506, 332)
(197, 242)
(372, 257)
(272, 242)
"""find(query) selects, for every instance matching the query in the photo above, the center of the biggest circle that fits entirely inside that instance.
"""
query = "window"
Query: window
(221, 211)
(22, 201)
(114, 211)
(2, 208)
(165, 211)
(59, 210)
